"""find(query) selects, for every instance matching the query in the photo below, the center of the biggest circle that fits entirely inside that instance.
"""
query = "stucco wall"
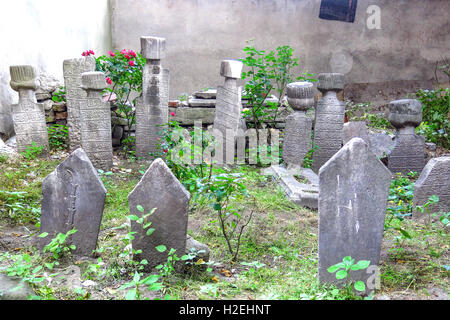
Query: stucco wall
(45, 32)
(201, 33)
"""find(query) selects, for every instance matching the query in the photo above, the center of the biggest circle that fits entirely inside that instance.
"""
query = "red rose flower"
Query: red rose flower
(172, 114)
(108, 80)
(112, 54)
(131, 63)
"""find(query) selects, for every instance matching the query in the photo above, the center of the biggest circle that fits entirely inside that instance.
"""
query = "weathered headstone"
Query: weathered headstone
(28, 115)
(434, 180)
(329, 119)
(353, 192)
(228, 116)
(159, 189)
(297, 134)
(73, 196)
(75, 95)
(152, 111)
(355, 129)
(408, 153)
(95, 118)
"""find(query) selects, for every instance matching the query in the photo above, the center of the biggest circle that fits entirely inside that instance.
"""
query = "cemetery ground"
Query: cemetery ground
(277, 258)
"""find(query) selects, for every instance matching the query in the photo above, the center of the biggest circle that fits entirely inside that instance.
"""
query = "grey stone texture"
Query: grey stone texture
(297, 133)
(228, 115)
(13, 288)
(95, 118)
(434, 180)
(152, 111)
(329, 120)
(75, 95)
(353, 192)
(355, 129)
(159, 189)
(28, 115)
(408, 153)
(73, 196)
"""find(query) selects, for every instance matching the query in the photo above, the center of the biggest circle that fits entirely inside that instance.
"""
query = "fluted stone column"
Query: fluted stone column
(28, 115)
(228, 116)
(152, 111)
(408, 153)
(75, 95)
(297, 134)
(95, 117)
(328, 127)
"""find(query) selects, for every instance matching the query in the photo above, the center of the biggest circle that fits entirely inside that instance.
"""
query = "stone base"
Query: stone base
(304, 194)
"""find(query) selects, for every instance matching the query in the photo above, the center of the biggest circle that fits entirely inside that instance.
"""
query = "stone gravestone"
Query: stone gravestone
(159, 189)
(297, 136)
(95, 118)
(353, 192)
(152, 111)
(73, 196)
(228, 116)
(408, 153)
(328, 127)
(75, 95)
(28, 115)
(355, 129)
(434, 180)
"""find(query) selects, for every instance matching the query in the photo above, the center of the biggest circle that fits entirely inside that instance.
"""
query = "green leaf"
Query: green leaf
(360, 286)
(161, 248)
(335, 267)
(140, 208)
(155, 286)
(133, 217)
(151, 279)
(131, 295)
(362, 264)
(150, 231)
(341, 274)
(43, 235)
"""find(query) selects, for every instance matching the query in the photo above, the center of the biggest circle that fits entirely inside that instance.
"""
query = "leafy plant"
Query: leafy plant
(435, 116)
(59, 246)
(17, 206)
(59, 95)
(33, 151)
(58, 137)
(343, 269)
(222, 189)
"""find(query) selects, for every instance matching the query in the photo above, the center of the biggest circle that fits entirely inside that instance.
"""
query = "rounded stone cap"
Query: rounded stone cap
(405, 112)
(231, 69)
(94, 80)
(300, 95)
(330, 81)
(153, 48)
(23, 77)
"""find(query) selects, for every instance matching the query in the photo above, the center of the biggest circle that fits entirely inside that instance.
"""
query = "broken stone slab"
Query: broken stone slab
(434, 180)
(187, 116)
(159, 189)
(381, 144)
(209, 93)
(73, 196)
(353, 192)
(305, 193)
(203, 103)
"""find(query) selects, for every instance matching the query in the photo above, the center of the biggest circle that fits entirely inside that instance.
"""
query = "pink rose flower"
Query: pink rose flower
(127, 56)
(112, 54)
(172, 114)
(131, 63)
(131, 52)
(108, 80)
(123, 51)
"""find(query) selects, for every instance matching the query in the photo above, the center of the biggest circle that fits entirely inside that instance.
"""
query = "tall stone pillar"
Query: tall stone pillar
(329, 123)
(152, 111)
(228, 116)
(408, 153)
(28, 115)
(75, 95)
(297, 134)
(95, 118)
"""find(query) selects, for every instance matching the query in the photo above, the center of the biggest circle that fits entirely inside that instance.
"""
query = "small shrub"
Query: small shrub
(58, 137)
(33, 151)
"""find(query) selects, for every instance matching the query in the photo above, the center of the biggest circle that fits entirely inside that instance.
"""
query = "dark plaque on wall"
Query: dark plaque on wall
(340, 10)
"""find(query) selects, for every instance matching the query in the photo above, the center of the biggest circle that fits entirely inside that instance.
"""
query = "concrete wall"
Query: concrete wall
(45, 32)
(200, 33)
